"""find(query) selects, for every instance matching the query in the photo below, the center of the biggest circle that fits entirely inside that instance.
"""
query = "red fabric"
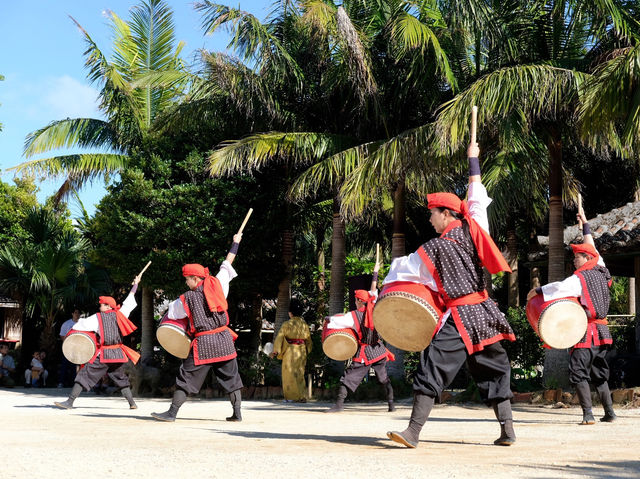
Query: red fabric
(467, 299)
(128, 352)
(108, 300)
(589, 249)
(212, 289)
(370, 300)
(488, 252)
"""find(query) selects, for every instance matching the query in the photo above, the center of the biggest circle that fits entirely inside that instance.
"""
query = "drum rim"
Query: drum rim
(174, 328)
(411, 297)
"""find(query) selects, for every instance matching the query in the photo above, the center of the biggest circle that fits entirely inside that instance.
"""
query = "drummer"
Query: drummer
(590, 282)
(371, 353)
(472, 326)
(110, 324)
(205, 305)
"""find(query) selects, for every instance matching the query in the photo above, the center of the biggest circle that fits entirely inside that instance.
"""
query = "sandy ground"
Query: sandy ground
(102, 437)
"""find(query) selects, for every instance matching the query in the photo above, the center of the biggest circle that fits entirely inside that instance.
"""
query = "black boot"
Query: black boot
(339, 405)
(389, 391)
(179, 397)
(68, 404)
(502, 409)
(422, 405)
(126, 393)
(236, 401)
(584, 395)
(607, 403)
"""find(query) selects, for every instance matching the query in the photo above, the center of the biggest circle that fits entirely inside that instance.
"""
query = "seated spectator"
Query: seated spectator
(7, 367)
(37, 375)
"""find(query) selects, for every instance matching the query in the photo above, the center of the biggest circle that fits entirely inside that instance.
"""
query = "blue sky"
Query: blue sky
(43, 65)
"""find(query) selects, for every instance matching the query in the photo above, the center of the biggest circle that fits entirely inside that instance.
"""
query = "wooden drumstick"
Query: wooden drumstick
(580, 210)
(246, 218)
(474, 123)
(145, 268)
(377, 253)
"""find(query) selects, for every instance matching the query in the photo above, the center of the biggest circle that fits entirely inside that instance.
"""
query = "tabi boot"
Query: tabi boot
(607, 403)
(422, 405)
(126, 393)
(584, 396)
(236, 402)
(68, 404)
(389, 391)
(339, 405)
(502, 409)
(179, 397)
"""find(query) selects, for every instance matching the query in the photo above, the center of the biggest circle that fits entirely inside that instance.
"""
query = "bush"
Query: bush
(525, 353)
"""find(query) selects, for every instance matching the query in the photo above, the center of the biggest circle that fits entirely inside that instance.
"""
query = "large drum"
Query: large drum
(173, 336)
(79, 347)
(406, 315)
(560, 323)
(339, 344)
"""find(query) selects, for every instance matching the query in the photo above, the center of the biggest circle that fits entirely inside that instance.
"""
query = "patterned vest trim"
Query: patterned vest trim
(595, 291)
(370, 347)
(213, 340)
(110, 340)
(454, 264)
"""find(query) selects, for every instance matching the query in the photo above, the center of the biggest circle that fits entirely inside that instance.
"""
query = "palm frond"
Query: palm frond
(85, 166)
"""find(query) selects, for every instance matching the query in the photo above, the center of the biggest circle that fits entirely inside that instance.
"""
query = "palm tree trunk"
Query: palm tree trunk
(398, 248)
(556, 361)
(321, 281)
(512, 258)
(284, 288)
(148, 326)
(338, 255)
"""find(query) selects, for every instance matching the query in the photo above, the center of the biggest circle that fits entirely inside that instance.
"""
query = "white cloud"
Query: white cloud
(67, 97)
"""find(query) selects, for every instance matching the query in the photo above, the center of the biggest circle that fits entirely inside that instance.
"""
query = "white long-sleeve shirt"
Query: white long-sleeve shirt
(411, 268)
(345, 320)
(571, 286)
(225, 275)
(90, 323)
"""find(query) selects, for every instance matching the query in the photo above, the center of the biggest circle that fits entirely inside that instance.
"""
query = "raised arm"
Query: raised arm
(129, 304)
(234, 248)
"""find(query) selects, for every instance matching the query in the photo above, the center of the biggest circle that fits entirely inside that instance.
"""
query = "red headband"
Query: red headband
(194, 269)
(108, 300)
(446, 200)
(584, 248)
(362, 295)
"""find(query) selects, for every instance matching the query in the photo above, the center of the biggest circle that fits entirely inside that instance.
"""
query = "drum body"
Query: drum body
(339, 344)
(406, 315)
(79, 347)
(560, 323)
(173, 336)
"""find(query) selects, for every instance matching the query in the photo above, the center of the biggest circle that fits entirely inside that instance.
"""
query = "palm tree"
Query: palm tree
(142, 45)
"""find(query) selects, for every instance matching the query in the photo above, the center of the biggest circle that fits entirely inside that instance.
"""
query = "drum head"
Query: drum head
(174, 340)
(562, 324)
(340, 346)
(404, 323)
(78, 348)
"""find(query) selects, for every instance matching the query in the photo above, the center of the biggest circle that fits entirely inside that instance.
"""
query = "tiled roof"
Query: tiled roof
(617, 231)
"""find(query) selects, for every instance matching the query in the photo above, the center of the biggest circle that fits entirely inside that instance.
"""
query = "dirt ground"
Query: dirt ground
(101, 437)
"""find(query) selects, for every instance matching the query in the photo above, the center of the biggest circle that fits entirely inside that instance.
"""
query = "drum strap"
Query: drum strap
(467, 299)
(234, 336)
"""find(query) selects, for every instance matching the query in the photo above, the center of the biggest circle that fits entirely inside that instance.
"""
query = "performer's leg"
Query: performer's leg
(439, 364)
(189, 381)
(86, 378)
(228, 377)
(68, 404)
(121, 380)
(179, 397)
(579, 366)
(236, 403)
(600, 376)
(380, 368)
(339, 405)
(350, 380)
(491, 370)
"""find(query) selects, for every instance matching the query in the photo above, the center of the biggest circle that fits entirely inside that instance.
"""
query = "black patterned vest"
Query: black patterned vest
(370, 347)
(110, 336)
(454, 264)
(213, 339)
(595, 293)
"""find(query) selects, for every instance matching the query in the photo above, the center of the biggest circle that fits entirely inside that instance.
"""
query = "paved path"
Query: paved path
(101, 437)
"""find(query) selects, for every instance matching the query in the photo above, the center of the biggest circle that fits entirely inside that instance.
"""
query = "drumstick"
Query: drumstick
(145, 268)
(580, 210)
(377, 253)
(474, 123)
(246, 218)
